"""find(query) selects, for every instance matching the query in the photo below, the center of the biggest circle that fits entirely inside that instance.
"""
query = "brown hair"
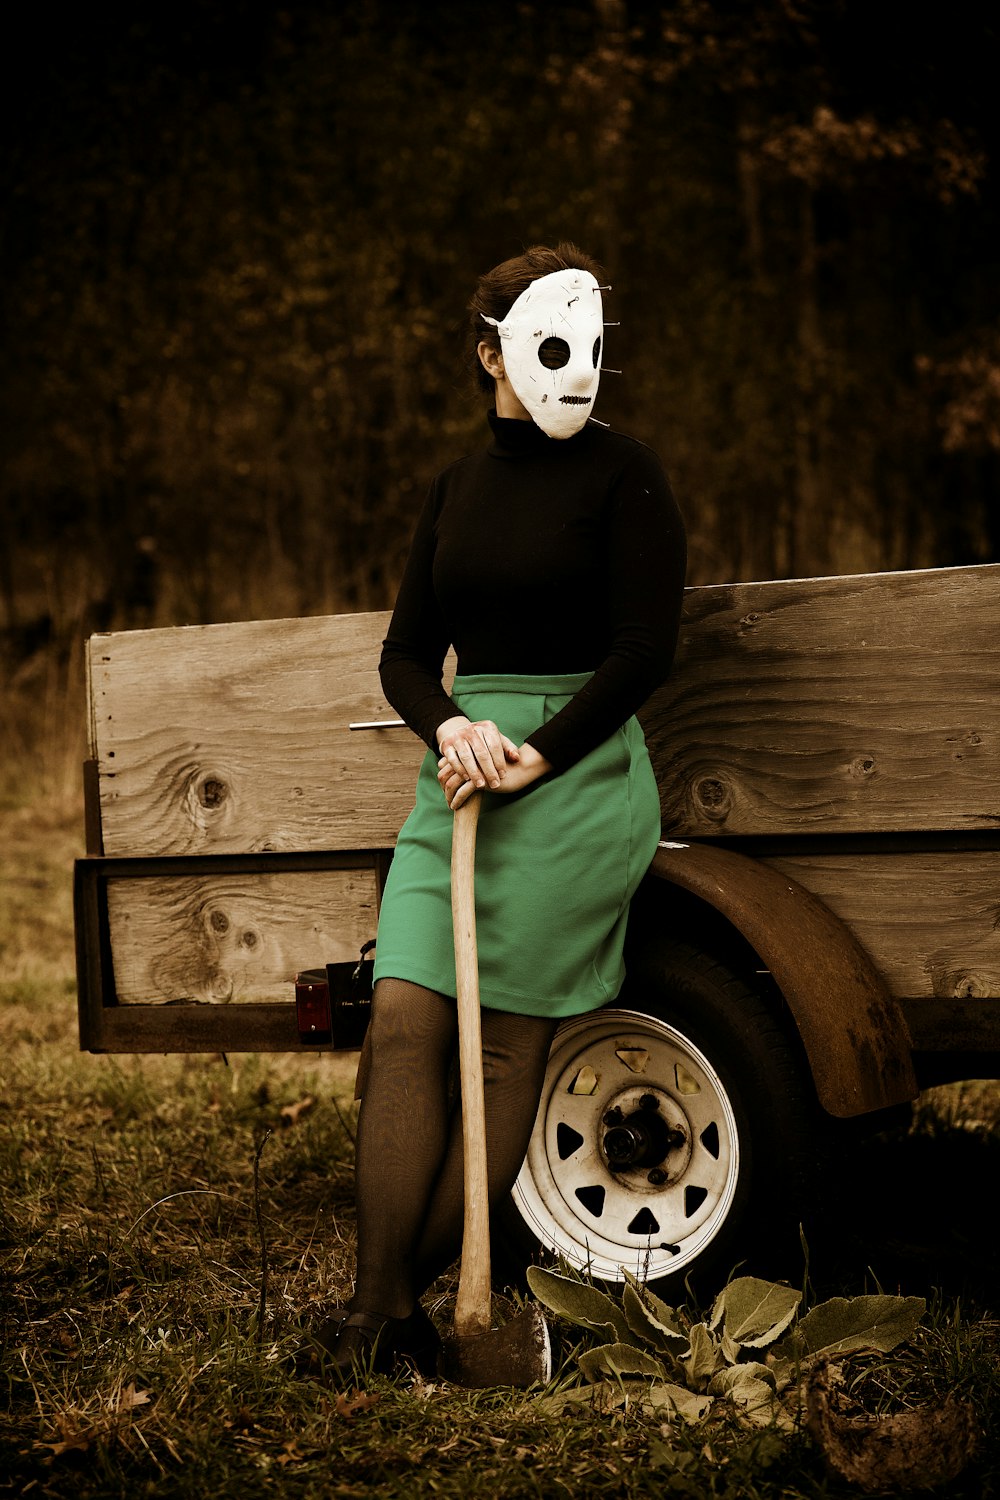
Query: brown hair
(500, 288)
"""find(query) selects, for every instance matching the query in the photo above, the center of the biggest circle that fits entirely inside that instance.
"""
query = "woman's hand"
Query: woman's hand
(528, 767)
(478, 752)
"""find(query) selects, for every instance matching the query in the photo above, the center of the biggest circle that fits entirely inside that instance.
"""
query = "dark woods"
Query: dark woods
(240, 240)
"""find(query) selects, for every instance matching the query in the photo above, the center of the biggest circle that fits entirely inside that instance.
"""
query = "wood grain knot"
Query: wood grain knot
(212, 791)
(862, 766)
(218, 921)
(713, 797)
(972, 739)
(964, 984)
(220, 986)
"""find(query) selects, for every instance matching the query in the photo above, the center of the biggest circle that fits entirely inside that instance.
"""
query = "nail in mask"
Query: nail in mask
(552, 342)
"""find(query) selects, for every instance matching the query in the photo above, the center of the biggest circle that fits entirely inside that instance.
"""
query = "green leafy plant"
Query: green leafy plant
(753, 1351)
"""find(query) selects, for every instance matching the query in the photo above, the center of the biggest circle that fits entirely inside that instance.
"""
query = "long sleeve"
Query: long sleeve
(647, 558)
(414, 649)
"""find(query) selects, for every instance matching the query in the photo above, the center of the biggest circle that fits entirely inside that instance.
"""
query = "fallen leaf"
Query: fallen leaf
(352, 1406)
(72, 1439)
(130, 1398)
(290, 1453)
(79, 1444)
(290, 1112)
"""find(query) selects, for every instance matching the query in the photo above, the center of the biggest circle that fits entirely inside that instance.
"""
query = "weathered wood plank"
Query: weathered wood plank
(235, 738)
(834, 705)
(234, 937)
(203, 1028)
(827, 705)
(930, 922)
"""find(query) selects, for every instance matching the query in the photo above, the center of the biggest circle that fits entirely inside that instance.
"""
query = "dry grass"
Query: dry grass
(133, 1363)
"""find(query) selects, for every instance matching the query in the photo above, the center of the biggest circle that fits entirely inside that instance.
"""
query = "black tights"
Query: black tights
(408, 1172)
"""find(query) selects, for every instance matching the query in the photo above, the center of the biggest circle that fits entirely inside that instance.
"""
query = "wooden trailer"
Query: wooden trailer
(818, 934)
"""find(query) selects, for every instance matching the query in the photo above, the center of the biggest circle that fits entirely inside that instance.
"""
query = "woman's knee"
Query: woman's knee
(515, 1047)
(407, 1018)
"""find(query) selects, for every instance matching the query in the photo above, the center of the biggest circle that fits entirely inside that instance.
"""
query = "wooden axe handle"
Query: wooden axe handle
(472, 1305)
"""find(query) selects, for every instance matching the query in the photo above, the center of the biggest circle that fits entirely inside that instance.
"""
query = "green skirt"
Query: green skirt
(556, 866)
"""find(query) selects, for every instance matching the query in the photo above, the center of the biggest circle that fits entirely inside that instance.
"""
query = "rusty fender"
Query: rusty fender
(852, 1030)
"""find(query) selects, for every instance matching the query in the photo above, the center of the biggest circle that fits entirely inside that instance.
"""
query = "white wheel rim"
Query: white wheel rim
(604, 1221)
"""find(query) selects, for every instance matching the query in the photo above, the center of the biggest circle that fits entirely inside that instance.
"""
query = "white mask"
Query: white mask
(552, 343)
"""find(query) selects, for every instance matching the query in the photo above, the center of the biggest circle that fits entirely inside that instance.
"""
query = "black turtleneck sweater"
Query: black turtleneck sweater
(542, 556)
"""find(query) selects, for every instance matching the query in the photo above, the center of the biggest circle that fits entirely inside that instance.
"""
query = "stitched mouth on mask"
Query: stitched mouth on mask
(575, 400)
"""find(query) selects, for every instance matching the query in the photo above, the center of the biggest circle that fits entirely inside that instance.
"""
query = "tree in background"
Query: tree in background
(241, 240)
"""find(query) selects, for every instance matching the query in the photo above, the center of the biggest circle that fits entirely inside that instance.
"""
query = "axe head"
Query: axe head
(518, 1353)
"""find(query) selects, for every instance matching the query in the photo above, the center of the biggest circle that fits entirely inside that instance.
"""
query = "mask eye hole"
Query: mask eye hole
(597, 351)
(553, 353)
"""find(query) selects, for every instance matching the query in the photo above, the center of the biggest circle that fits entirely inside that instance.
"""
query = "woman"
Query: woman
(553, 560)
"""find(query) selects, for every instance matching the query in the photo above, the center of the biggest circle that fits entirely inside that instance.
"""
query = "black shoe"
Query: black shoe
(312, 1354)
(354, 1344)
